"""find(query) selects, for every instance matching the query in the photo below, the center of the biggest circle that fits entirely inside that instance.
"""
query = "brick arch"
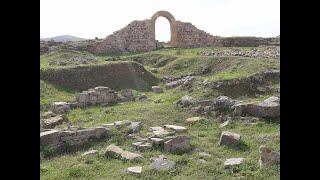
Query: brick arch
(172, 21)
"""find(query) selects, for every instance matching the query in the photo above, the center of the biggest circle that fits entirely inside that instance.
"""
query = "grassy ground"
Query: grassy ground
(204, 135)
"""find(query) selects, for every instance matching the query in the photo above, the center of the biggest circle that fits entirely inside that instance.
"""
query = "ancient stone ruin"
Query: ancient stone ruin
(99, 94)
(140, 36)
(58, 138)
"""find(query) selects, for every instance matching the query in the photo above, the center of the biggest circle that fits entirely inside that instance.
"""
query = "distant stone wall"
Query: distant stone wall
(58, 138)
(121, 75)
(242, 41)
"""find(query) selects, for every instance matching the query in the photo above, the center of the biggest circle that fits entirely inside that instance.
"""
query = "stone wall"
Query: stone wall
(58, 138)
(242, 41)
(120, 75)
(188, 36)
(97, 95)
(139, 36)
(136, 36)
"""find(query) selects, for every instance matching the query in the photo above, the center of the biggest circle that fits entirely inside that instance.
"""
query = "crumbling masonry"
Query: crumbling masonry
(140, 36)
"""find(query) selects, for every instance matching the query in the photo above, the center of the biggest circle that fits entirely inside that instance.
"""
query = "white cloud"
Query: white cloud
(99, 18)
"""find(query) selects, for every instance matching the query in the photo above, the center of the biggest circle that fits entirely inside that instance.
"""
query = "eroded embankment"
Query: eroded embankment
(118, 75)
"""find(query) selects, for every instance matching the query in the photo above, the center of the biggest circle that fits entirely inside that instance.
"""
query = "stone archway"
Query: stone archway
(172, 21)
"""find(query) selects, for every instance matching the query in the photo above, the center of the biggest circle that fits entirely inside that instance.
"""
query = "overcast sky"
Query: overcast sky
(99, 18)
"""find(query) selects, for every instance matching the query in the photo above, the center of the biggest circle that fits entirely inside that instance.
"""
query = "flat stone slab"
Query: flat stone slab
(233, 161)
(160, 134)
(142, 145)
(109, 125)
(113, 150)
(90, 153)
(130, 155)
(156, 128)
(204, 154)
(194, 119)
(135, 169)
(162, 163)
(124, 122)
(176, 128)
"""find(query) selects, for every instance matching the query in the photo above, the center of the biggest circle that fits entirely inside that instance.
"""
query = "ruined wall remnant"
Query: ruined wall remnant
(99, 94)
(139, 36)
(58, 138)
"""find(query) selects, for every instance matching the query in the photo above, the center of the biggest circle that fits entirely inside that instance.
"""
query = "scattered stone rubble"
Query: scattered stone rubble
(269, 52)
(72, 61)
(185, 81)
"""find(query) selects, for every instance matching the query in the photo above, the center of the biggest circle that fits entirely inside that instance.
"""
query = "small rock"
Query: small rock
(48, 114)
(160, 134)
(135, 170)
(233, 161)
(157, 89)
(162, 163)
(158, 100)
(228, 138)
(187, 101)
(92, 152)
(177, 144)
(223, 103)
(202, 161)
(142, 145)
(204, 154)
(179, 129)
(130, 156)
(135, 127)
(60, 107)
(205, 82)
(113, 150)
(224, 124)
(142, 96)
(156, 141)
(268, 155)
(126, 92)
(194, 119)
(154, 70)
(124, 122)
(54, 121)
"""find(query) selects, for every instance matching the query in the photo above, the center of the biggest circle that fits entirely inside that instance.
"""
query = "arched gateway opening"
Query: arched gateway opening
(172, 22)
